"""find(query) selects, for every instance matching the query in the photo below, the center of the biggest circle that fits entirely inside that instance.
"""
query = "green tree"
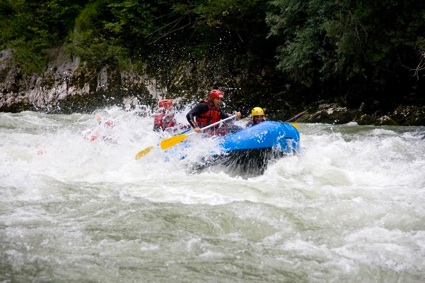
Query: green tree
(355, 49)
(30, 28)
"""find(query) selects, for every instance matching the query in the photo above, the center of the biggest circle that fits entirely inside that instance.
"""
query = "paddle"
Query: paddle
(295, 117)
(143, 152)
(148, 149)
(295, 125)
(167, 143)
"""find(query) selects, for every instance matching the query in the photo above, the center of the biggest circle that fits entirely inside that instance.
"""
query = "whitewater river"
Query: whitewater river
(349, 208)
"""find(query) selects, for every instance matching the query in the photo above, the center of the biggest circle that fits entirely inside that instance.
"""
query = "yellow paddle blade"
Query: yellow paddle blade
(144, 152)
(172, 141)
(295, 125)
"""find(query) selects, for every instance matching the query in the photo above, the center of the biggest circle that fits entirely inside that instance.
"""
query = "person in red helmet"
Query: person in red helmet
(207, 112)
(164, 116)
(164, 119)
(103, 130)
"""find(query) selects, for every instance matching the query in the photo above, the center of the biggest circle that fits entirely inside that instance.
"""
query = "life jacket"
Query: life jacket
(163, 120)
(209, 117)
(253, 123)
(89, 135)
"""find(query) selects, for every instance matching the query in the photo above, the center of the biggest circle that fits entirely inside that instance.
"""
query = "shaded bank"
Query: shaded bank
(331, 113)
(69, 86)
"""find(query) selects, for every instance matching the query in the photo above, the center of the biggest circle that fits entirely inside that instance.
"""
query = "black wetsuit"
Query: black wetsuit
(199, 109)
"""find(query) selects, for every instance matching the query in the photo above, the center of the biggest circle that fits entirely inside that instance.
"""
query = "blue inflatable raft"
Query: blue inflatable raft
(279, 136)
(247, 152)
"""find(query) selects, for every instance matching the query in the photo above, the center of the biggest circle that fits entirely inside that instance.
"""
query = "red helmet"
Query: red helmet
(166, 103)
(215, 93)
(109, 124)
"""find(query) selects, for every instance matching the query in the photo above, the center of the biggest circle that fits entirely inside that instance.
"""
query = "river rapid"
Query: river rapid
(350, 207)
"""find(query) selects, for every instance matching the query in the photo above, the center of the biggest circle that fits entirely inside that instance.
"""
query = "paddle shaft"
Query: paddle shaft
(216, 123)
(209, 126)
(167, 143)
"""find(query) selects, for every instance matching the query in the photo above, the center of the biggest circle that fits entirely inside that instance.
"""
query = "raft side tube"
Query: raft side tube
(268, 134)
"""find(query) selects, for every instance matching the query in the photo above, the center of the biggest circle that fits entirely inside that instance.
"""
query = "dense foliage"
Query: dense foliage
(357, 50)
(302, 50)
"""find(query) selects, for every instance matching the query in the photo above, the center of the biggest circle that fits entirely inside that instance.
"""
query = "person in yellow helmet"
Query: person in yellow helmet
(257, 116)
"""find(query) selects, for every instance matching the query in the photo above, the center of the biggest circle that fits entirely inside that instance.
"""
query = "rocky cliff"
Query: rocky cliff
(68, 85)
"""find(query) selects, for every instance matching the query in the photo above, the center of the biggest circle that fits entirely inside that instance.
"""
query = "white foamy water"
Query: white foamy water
(348, 208)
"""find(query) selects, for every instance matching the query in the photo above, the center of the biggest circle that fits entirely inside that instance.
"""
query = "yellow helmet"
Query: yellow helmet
(257, 111)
